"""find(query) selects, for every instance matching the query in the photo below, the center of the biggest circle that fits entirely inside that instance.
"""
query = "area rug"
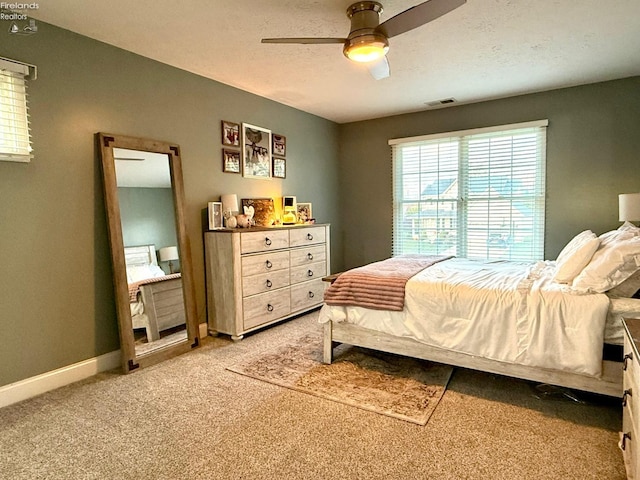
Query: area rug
(392, 385)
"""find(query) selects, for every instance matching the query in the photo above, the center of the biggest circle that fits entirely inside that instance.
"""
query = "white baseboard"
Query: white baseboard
(30, 387)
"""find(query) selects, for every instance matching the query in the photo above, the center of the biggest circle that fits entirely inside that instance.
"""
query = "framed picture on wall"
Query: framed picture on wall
(230, 134)
(230, 161)
(279, 167)
(215, 215)
(279, 145)
(256, 151)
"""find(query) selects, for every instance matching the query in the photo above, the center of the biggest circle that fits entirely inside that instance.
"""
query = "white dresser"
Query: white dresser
(630, 442)
(259, 276)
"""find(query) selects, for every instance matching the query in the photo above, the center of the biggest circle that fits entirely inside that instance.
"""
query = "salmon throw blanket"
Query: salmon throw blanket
(379, 285)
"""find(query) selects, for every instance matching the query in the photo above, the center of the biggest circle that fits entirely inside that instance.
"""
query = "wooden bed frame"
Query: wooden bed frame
(609, 384)
(163, 301)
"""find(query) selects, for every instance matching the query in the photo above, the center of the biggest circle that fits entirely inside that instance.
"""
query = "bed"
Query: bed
(546, 321)
(156, 299)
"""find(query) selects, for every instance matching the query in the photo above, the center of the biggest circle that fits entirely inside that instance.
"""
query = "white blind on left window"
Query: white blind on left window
(15, 140)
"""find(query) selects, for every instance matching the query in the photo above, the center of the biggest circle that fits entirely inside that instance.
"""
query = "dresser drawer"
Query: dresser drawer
(307, 294)
(264, 262)
(263, 241)
(630, 382)
(265, 307)
(306, 236)
(305, 273)
(265, 282)
(307, 255)
(629, 445)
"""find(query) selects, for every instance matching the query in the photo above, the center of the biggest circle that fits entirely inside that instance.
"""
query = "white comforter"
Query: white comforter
(512, 312)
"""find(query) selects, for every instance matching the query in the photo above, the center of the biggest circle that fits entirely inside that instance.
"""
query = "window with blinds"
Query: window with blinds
(475, 193)
(15, 141)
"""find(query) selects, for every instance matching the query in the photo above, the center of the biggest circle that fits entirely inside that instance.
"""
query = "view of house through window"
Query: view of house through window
(475, 194)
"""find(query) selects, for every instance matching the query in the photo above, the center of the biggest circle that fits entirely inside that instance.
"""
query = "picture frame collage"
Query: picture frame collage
(253, 151)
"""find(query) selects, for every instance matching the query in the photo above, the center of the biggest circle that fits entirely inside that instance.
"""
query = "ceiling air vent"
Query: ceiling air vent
(440, 103)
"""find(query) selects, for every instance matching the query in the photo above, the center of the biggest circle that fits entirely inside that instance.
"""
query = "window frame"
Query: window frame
(459, 141)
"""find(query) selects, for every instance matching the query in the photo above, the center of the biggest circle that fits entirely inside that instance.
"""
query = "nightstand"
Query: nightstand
(630, 441)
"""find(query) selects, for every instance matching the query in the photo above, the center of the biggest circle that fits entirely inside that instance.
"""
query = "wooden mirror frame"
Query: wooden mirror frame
(130, 361)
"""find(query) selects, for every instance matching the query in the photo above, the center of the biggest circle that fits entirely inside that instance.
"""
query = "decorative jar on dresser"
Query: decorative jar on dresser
(262, 275)
(630, 441)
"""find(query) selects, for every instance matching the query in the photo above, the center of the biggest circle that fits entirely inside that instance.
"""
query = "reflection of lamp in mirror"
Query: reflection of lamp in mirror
(629, 207)
(288, 210)
(229, 207)
(169, 254)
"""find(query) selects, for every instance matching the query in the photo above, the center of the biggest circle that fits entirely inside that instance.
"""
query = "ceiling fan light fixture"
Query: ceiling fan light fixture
(366, 48)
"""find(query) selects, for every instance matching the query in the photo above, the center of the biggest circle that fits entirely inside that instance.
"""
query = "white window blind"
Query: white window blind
(15, 141)
(476, 193)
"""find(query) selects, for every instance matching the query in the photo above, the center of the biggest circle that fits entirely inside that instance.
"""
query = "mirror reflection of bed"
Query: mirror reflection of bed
(156, 301)
(147, 214)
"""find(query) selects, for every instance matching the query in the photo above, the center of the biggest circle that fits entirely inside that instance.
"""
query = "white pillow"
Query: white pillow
(617, 258)
(575, 256)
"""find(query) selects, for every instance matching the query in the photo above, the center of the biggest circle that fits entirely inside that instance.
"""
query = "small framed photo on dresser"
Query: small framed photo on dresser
(279, 145)
(304, 212)
(279, 168)
(215, 215)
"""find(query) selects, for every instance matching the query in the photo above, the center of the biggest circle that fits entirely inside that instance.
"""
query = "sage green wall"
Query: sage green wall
(147, 217)
(56, 298)
(593, 142)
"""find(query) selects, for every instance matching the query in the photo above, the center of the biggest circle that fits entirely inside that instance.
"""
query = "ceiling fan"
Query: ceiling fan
(368, 39)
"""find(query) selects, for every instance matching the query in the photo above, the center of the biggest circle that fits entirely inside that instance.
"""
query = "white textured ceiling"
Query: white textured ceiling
(483, 50)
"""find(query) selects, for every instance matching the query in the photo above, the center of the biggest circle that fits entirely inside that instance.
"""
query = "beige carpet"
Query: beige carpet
(191, 418)
(391, 385)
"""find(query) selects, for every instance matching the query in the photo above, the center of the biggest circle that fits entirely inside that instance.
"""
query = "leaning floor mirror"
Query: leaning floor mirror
(150, 252)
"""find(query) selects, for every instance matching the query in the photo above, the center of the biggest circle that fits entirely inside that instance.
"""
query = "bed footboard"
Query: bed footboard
(327, 344)
(164, 305)
(609, 384)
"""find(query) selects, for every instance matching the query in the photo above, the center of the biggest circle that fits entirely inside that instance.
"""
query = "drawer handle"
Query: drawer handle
(628, 356)
(311, 295)
(309, 236)
(625, 437)
(310, 256)
(270, 307)
(309, 273)
(269, 284)
(627, 393)
(269, 264)
(267, 241)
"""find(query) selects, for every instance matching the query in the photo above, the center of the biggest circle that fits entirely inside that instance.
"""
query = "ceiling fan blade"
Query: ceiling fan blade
(416, 16)
(379, 69)
(304, 40)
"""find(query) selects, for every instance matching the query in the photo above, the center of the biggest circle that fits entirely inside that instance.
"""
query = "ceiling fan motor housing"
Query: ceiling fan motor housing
(365, 18)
